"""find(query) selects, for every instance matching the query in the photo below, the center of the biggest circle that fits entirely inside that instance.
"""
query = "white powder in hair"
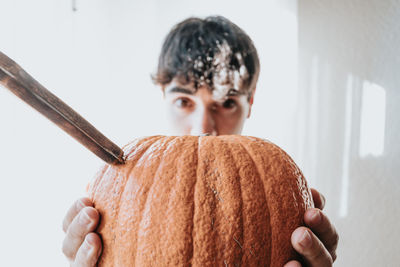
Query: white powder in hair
(225, 77)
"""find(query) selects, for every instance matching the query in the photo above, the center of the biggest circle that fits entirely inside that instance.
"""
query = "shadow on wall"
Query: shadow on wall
(348, 121)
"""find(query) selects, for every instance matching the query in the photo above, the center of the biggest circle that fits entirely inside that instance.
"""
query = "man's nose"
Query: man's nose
(204, 123)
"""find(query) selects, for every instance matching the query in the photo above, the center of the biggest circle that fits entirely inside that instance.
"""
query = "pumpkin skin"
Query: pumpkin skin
(200, 201)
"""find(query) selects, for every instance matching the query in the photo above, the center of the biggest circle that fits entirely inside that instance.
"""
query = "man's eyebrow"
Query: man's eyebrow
(180, 90)
(176, 89)
(234, 92)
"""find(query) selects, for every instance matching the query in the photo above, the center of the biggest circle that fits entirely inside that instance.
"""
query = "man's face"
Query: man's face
(192, 112)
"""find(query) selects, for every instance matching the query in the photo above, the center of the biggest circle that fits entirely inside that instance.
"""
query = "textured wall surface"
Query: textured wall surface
(349, 123)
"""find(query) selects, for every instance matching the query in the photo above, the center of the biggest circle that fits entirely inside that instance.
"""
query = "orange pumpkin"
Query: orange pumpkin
(200, 201)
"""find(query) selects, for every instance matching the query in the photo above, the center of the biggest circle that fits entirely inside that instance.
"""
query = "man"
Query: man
(207, 71)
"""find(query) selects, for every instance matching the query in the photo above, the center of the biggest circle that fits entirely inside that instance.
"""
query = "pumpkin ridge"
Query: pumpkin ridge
(92, 187)
(301, 183)
(218, 209)
(135, 145)
(191, 255)
(227, 245)
(266, 218)
(205, 228)
(241, 206)
(119, 200)
(283, 165)
(177, 187)
(200, 186)
(195, 161)
(135, 150)
(214, 214)
(143, 207)
(273, 150)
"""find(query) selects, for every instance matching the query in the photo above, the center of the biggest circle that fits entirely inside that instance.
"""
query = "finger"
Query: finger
(89, 251)
(323, 228)
(74, 210)
(311, 248)
(84, 223)
(319, 199)
(292, 264)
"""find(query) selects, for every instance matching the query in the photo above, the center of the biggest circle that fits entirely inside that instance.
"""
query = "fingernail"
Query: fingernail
(316, 217)
(81, 205)
(84, 218)
(305, 239)
(89, 240)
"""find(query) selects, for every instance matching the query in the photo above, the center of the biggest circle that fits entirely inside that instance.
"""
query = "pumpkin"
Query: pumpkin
(200, 201)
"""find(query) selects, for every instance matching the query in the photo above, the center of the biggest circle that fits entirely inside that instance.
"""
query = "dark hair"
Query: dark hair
(189, 49)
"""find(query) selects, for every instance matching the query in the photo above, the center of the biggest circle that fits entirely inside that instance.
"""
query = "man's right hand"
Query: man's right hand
(81, 245)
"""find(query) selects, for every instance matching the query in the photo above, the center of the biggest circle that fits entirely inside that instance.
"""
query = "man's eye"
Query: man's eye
(183, 103)
(229, 104)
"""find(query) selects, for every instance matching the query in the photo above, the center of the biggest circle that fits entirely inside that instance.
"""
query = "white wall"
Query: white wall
(99, 60)
(348, 123)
